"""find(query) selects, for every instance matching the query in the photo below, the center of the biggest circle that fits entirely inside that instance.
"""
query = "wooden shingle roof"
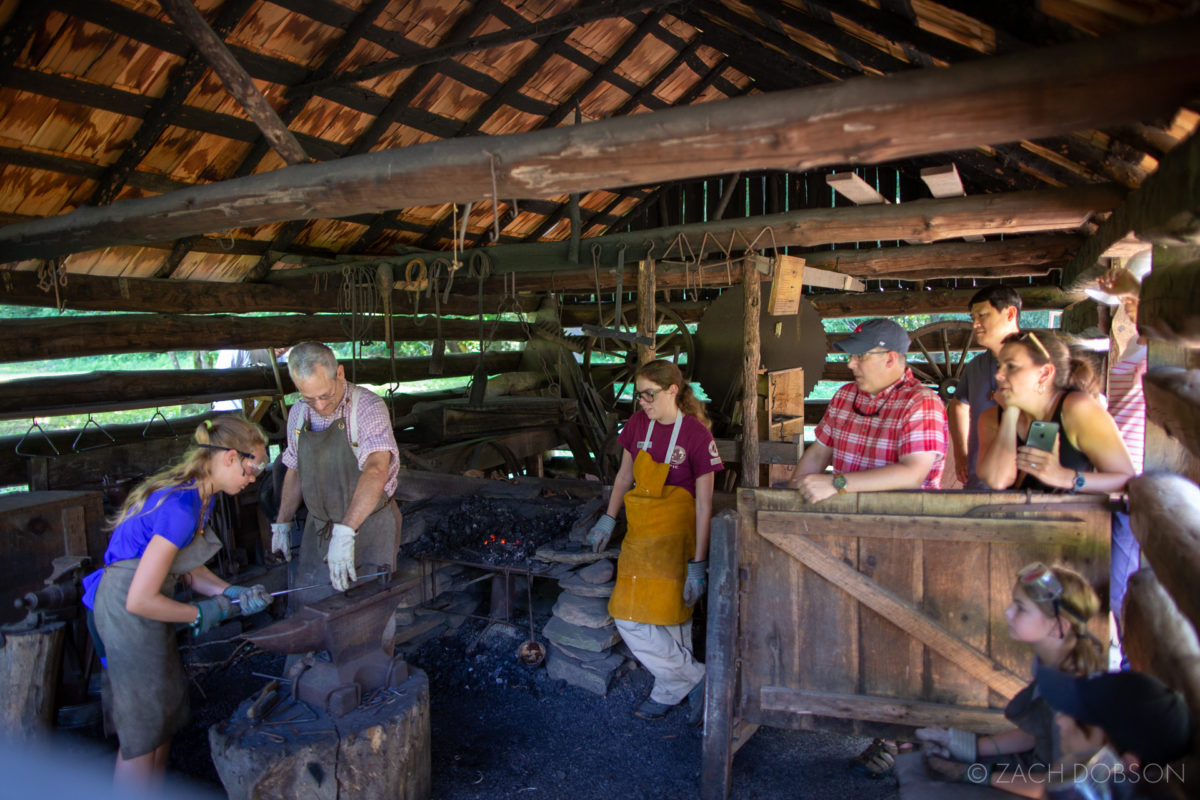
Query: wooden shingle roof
(107, 101)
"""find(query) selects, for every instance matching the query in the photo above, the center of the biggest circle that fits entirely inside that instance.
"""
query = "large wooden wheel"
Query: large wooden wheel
(610, 363)
(944, 347)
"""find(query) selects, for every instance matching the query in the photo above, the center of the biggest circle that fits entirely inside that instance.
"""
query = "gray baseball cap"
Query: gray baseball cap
(875, 333)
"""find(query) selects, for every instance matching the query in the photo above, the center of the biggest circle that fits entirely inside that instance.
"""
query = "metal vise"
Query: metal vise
(351, 626)
(59, 600)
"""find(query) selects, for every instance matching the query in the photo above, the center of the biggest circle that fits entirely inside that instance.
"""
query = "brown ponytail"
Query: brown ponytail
(1074, 367)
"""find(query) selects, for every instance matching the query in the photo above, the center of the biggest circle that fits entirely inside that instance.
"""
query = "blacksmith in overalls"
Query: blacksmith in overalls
(342, 461)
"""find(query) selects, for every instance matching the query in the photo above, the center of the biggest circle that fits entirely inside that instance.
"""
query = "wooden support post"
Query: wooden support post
(1173, 403)
(29, 665)
(750, 361)
(720, 659)
(647, 314)
(237, 81)
(1165, 517)
(1158, 639)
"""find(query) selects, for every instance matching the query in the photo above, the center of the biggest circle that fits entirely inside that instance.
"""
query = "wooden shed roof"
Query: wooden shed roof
(107, 102)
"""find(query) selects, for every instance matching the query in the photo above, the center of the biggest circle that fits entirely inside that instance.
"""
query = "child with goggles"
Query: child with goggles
(1050, 610)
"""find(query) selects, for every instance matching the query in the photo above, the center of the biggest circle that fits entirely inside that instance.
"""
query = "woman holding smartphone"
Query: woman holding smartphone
(1041, 382)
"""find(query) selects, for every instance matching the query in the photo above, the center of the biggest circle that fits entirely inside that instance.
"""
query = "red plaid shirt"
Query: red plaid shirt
(866, 432)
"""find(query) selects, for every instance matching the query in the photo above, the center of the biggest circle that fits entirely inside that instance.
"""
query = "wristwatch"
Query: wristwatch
(1079, 482)
(839, 482)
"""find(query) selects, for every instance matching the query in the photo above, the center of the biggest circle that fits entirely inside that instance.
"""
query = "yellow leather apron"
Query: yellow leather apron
(659, 540)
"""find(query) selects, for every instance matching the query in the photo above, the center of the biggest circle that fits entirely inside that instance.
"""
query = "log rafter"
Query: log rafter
(960, 105)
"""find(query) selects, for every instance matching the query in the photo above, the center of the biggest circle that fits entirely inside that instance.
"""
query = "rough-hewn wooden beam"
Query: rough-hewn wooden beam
(948, 301)
(108, 391)
(1169, 309)
(1164, 513)
(1159, 639)
(947, 259)
(1165, 209)
(920, 220)
(41, 338)
(1173, 402)
(1126, 77)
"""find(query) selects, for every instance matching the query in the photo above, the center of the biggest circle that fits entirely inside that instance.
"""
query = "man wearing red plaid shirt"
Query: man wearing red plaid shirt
(884, 431)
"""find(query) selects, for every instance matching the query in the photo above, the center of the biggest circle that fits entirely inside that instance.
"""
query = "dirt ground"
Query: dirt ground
(502, 730)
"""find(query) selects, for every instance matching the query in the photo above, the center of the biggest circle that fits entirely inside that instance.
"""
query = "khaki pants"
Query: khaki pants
(666, 651)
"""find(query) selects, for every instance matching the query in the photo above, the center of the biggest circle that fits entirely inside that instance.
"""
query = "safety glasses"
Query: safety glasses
(255, 468)
(1041, 585)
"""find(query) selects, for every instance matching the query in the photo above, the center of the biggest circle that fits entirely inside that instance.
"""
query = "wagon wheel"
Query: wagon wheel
(943, 363)
(611, 363)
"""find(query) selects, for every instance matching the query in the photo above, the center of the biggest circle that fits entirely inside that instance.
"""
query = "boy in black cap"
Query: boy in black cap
(1137, 723)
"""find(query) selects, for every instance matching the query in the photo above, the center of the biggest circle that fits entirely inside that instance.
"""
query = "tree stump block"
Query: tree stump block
(30, 662)
(379, 750)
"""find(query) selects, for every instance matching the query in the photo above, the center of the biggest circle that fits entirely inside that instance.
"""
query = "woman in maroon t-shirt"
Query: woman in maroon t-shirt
(665, 484)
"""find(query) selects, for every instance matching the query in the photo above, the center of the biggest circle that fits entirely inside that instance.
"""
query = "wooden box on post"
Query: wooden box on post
(781, 414)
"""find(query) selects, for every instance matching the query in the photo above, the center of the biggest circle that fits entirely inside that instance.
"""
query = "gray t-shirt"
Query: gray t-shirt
(975, 388)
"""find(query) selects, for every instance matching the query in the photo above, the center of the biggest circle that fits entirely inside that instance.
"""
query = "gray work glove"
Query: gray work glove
(600, 533)
(340, 557)
(953, 743)
(281, 539)
(211, 612)
(697, 582)
(251, 599)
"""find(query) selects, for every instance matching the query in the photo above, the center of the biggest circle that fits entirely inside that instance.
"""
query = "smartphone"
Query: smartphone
(1042, 435)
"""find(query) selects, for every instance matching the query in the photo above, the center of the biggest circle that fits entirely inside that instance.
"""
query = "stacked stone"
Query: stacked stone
(581, 632)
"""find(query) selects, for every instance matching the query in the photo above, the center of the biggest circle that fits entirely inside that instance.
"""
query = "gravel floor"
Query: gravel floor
(504, 730)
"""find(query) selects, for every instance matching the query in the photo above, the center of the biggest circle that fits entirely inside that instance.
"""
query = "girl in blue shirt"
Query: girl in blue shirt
(158, 540)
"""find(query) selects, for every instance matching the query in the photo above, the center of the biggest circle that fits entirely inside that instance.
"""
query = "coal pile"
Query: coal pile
(486, 530)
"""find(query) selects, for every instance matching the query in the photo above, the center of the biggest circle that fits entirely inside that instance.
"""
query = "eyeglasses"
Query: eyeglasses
(861, 356)
(255, 468)
(325, 397)
(1042, 586)
(648, 395)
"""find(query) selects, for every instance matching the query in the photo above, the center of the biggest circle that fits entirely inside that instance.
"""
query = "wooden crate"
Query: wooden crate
(871, 611)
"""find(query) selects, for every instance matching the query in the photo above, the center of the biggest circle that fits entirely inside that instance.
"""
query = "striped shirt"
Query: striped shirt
(1127, 402)
(866, 432)
(374, 430)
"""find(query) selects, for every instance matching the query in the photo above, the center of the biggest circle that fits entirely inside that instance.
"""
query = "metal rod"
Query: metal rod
(235, 601)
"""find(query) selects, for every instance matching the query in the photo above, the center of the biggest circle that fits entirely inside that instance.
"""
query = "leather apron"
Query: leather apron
(145, 689)
(329, 474)
(660, 537)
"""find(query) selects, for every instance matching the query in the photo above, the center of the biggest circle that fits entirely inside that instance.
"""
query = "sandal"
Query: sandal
(877, 761)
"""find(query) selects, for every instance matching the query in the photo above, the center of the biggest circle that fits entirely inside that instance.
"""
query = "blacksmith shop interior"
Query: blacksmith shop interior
(338, 335)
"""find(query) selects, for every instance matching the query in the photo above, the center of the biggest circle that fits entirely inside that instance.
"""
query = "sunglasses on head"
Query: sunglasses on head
(255, 467)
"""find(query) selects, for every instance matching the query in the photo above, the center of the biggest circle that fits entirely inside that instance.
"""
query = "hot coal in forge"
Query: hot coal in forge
(499, 535)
